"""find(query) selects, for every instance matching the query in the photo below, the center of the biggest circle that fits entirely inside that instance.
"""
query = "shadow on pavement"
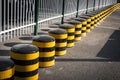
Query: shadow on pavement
(13, 43)
(111, 49)
(85, 60)
(26, 38)
(4, 52)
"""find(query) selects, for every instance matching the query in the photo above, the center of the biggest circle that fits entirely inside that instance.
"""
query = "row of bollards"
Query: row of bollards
(26, 58)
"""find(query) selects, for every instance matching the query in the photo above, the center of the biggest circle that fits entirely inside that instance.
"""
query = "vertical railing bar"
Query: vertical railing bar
(20, 16)
(94, 5)
(17, 17)
(77, 8)
(36, 16)
(87, 6)
(8, 35)
(63, 11)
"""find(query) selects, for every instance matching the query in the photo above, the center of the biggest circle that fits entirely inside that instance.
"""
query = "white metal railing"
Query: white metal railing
(17, 17)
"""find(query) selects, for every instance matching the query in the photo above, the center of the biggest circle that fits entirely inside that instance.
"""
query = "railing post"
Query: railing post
(77, 8)
(94, 6)
(36, 17)
(87, 6)
(99, 4)
(63, 11)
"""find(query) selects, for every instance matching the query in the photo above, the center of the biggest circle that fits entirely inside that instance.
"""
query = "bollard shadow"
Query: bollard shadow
(111, 49)
(85, 60)
(14, 43)
(4, 52)
(26, 38)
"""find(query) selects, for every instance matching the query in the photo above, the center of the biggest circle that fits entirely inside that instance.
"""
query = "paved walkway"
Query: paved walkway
(96, 57)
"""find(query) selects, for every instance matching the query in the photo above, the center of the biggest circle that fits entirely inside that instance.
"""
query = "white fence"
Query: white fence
(17, 17)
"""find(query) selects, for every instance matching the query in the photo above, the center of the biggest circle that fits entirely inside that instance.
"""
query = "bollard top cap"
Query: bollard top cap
(74, 22)
(6, 64)
(66, 26)
(24, 49)
(58, 31)
(85, 17)
(54, 26)
(43, 38)
(80, 19)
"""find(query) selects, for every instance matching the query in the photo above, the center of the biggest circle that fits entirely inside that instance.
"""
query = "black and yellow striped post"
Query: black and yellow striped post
(26, 61)
(78, 31)
(60, 36)
(92, 17)
(88, 25)
(84, 26)
(70, 30)
(46, 45)
(6, 69)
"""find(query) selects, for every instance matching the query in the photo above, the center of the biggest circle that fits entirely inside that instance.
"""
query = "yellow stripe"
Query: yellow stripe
(92, 22)
(70, 30)
(63, 44)
(77, 32)
(83, 34)
(88, 20)
(70, 45)
(6, 74)
(58, 36)
(77, 38)
(84, 22)
(92, 27)
(47, 54)
(47, 64)
(27, 68)
(35, 77)
(88, 25)
(83, 28)
(88, 30)
(60, 53)
(93, 17)
(19, 56)
(44, 44)
(70, 37)
(77, 25)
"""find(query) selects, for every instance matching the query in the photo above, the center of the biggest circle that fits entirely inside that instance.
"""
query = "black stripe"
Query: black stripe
(84, 25)
(46, 49)
(60, 48)
(26, 74)
(71, 34)
(88, 27)
(83, 31)
(70, 41)
(78, 35)
(88, 22)
(45, 59)
(60, 40)
(12, 78)
(92, 24)
(25, 62)
(95, 23)
(77, 29)
(92, 20)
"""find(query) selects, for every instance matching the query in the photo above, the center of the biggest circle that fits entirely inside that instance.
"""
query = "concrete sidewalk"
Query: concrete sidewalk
(96, 57)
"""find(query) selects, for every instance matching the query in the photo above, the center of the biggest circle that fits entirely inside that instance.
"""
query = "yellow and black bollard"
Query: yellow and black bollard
(46, 45)
(84, 26)
(78, 31)
(6, 69)
(26, 61)
(70, 30)
(88, 25)
(60, 36)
